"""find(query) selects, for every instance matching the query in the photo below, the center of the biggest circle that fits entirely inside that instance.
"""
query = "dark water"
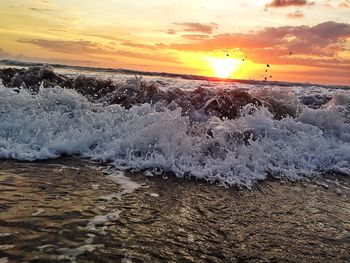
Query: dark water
(45, 210)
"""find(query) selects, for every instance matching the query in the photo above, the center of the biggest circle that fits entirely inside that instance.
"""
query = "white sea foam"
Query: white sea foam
(71, 254)
(237, 151)
(125, 183)
(96, 224)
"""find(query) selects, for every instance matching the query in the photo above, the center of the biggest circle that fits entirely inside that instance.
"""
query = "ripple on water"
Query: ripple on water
(169, 219)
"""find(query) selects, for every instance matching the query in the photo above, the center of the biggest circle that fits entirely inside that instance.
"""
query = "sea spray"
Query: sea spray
(232, 136)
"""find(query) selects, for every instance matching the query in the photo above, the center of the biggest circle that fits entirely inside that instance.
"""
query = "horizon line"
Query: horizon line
(127, 71)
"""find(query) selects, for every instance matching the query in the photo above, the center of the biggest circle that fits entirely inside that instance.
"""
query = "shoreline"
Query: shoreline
(48, 208)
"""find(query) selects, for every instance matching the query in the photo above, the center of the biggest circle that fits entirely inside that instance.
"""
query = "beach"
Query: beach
(175, 131)
(72, 209)
(127, 169)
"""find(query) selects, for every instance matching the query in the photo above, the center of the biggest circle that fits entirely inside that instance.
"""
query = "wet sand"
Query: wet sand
(70, 210)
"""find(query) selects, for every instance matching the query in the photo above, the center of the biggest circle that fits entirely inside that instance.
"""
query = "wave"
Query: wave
(232, 136)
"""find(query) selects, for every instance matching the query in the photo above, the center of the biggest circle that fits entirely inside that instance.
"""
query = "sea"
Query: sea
(103, 165)
(231, 133)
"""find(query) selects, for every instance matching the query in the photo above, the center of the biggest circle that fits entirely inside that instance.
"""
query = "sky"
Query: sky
(302, 41)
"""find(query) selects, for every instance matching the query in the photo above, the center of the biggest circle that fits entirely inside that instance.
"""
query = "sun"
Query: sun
(223, 67)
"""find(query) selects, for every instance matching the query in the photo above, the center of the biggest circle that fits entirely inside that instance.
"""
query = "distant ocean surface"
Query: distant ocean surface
(230, 133)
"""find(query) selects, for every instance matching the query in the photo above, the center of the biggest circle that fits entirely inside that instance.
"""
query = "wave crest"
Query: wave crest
(230, 136)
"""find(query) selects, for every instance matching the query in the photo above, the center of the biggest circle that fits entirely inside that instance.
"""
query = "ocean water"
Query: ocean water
(233, 134)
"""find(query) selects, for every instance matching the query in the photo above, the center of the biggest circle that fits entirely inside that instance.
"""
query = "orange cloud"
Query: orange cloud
(310, 45)
(296, 14)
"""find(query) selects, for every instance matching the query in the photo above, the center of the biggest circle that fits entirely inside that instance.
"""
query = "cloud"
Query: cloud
(40, 10)
(138, 55)
(296, 14)
(171, 31)
(61, 46)
(198, 27)
(137, 45)
(55, 60)
(345, 4)
(89, 48)
(3, 54)
(336, 4)
(195, 36)
(310, 38)
(285, 3)
(107, 37)
(22, 57)
(274, 44)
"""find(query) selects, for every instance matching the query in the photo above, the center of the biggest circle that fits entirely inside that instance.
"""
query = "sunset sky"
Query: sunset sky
(303, 41)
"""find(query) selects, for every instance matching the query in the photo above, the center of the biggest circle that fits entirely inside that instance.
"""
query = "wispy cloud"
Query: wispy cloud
(171, 31)
(336, 4)
(344, 4)
(63, 46)
(3, 54)
(285, 3)
(40, 10)
(296, 14)
(138, 45)
(198, 27)
(195, 36)
(92, 48)
(107, 37)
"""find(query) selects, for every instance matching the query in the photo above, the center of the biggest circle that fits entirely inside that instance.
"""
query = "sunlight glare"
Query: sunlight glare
(224, 67)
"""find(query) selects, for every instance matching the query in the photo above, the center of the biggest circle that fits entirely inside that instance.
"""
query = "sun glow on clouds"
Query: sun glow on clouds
(173, 36)
(217, 63)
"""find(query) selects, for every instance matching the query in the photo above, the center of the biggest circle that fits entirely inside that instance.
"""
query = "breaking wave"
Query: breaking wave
(232, 134)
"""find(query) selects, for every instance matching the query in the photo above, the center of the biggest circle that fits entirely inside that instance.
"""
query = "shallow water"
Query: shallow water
(74, 210)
